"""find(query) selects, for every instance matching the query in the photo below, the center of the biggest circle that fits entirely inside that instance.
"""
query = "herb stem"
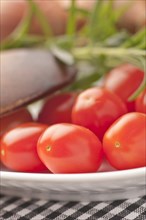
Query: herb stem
(138, 91)
(71, 26)
(41, 18)
(86, 52)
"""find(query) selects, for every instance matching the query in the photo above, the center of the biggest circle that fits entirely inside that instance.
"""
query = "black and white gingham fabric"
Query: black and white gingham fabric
(15, 208)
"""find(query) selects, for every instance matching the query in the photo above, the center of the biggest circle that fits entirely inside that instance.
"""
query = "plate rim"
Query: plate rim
(82, 177)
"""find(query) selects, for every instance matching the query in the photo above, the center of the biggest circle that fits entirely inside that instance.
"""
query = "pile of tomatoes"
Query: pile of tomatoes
(75, 131)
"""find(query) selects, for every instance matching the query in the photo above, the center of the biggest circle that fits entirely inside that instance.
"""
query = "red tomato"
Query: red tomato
(67, 148)
(13, 119)
(19, 148)
(124, 142)
(96, 109)
(57, 109)
(140, 103)
(124, 80)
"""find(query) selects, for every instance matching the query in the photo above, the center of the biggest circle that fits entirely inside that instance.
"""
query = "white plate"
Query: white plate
(111, 185)
(107, 184)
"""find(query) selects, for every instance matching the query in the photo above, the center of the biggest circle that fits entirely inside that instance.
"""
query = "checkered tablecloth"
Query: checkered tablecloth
(14, 208)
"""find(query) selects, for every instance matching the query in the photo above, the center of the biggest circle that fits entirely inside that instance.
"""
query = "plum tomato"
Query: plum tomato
(57, 109)
(96, 109)
(19, 148)
(68, 148)
(13, 119)
(124, 143)
(140, 103)
(124, 80)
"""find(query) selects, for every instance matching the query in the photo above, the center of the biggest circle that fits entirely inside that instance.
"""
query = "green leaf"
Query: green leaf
(93, 20)
(24, 26)
(116, 39)
(71, 25)
(102, 22)
(83, 12)
(46, 28)
(85, 82)
(138, 39)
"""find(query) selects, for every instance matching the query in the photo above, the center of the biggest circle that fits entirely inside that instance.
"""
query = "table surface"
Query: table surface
(14, 208)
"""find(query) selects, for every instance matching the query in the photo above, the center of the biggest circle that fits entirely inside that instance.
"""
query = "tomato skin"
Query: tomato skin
(57, 109)
(68, 148)
(13, 119)
(19, 148)
(140, 103)
(124, 143)
(124, 80)
(96, 109)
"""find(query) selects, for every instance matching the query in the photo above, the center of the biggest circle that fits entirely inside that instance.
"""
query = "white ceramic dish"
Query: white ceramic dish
(107, 184)
(110, 185)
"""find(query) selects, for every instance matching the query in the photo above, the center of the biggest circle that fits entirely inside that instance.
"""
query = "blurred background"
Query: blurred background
(56, 11)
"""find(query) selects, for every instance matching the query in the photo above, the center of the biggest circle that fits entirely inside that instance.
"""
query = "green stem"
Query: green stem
(41, 18)
(138, 91)
(93, 24)
(85, 52)
(71, 26)
(24, 27)
(138, 38)
(142, 86)
(18, 35)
